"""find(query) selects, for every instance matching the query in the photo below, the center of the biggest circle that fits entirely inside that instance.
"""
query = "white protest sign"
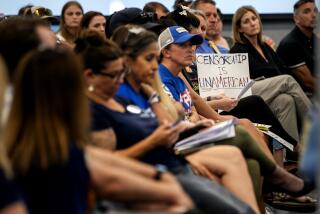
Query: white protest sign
(223, 73)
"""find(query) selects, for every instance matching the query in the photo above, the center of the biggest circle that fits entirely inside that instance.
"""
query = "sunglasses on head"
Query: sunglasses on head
(40, 12)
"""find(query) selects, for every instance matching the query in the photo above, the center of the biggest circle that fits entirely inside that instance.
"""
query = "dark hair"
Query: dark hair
(133, 39)
(178, 3)
(18, 36)
(46, 119)
(87, 17)
(184, 18)
(196, 3)
(25, 10)
(152, 6)
(96, 51)
(299, 3)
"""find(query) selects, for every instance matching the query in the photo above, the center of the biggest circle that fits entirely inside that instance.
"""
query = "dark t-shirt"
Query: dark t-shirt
(130, 128)
(8, 191)
(296, 49)
(60, 189)
(258, 66)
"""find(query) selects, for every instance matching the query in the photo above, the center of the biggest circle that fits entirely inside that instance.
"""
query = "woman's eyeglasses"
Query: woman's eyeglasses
(115, 77)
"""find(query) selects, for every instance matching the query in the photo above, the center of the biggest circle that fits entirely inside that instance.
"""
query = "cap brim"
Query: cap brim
(150, 25)
(154, 27)
(193, 38)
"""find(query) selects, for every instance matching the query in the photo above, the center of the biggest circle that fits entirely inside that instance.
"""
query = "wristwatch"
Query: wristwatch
(154, 98)
(159, 170)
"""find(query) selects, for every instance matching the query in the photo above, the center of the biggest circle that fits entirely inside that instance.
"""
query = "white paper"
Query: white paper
(223, 73)
(279, 139)
(246, 88)
(219, 131)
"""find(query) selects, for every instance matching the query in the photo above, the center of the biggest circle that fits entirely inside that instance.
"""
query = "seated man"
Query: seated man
(296, 49)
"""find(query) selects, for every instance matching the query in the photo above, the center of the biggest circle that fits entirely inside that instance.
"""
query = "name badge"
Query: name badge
(134, 109)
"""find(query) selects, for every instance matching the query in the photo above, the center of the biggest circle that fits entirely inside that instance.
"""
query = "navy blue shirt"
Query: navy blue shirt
(8, 191)
(60, 189)
(129, 129)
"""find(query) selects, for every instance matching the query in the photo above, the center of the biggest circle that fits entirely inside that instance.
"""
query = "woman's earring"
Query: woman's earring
(90, 88)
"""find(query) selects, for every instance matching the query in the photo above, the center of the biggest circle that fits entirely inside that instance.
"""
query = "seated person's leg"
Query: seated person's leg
(228, 164)
(210, 196)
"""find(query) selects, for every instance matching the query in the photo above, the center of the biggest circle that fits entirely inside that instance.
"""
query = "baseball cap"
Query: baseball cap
(177, 35)
(131, 15)
(43, 13)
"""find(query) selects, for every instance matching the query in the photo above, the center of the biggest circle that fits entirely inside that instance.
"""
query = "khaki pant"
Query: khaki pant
(286, 99)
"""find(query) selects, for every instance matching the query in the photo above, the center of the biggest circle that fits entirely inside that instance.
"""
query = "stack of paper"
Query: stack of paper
(219, 131)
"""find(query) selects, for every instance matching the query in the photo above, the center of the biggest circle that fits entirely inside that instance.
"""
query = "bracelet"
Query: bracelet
(154, 98)
(160, 169)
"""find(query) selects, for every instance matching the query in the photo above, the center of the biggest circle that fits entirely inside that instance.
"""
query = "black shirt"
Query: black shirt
(8, 191)
(297, 49)
(258, 66)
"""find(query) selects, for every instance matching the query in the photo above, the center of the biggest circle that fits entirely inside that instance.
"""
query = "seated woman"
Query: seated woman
(71, 15)
(93, 20)
(137, 133)
(280, 91)
(45, 138)
(10, 199)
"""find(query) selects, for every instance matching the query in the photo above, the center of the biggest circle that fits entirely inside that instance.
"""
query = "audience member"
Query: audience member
(93, 20)
(10, 197)
(70, 18)
(297, 48)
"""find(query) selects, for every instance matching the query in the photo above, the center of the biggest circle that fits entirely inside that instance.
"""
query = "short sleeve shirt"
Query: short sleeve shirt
(131, 127)
(177, 88)
(296, 49)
